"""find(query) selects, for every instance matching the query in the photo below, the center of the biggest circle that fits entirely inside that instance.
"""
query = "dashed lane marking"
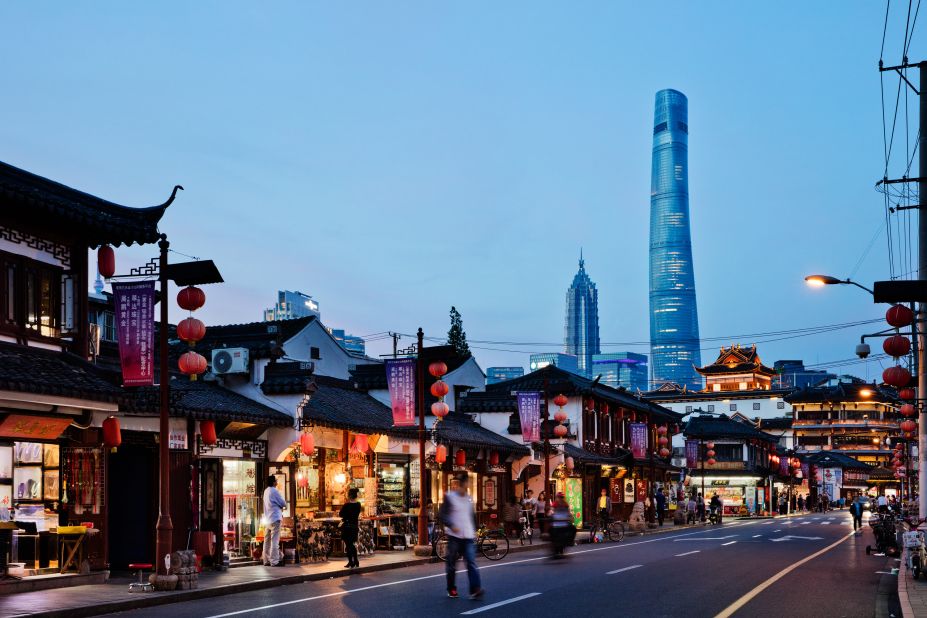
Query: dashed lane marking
(688, 553)
(728, 543)
(500, 603)
(627, 568)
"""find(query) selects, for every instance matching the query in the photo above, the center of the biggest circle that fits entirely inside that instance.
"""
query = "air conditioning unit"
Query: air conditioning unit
(230, 360)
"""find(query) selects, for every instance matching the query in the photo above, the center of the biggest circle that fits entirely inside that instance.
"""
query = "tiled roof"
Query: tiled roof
(705, 426)
(477, 402)
(336, 404)
(27, 198)
(207, 400)
(737, 359)
(460, 430)
(582, 456)
(288, 378)
(835, 459)
(369, 377)
(34, 370)
(784, 422)
(261, 338)
(843, 391)
(373, 376)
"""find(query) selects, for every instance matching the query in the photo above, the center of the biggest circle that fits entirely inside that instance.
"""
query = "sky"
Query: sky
(395, 158)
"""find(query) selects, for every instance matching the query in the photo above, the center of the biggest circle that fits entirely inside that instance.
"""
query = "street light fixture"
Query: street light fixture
(822, 280)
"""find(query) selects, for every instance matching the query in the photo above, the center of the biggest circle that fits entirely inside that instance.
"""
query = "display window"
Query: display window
(241, 516)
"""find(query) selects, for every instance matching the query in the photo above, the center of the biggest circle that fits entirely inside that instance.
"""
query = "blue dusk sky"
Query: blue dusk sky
(396, 158)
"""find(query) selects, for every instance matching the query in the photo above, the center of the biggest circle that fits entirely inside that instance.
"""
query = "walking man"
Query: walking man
(273, 515)
(856, 510)
(661, 505)
(459, 519)
(604, 509)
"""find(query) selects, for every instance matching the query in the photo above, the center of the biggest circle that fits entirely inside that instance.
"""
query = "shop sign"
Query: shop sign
(639, 440)
(529, 413)
(400, 377)
(640, 490)
(629, 490)
(33, 427)
(489, 492)
(177, 440)
(574, 498)
(135, 328)
(498, 469)
(720, 482)
(691, 454)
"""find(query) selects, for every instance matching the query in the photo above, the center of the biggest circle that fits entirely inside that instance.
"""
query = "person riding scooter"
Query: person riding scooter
(714, 507)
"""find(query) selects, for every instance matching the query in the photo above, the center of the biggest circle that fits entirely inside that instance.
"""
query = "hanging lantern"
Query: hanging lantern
(897, 463)
(441, 454)
(664, 452)
(710, 453)
(191, 298)
(772, 448)
(899, 315)
(461, 457)
(663, 440)
(907, 393)
(896, 345)
(560, 400)
(440, 409)
(908, 426)
(112, 436)
(360, 443)
(208, 433)
(709, 444)
(191, 330)
(560, 431)
(661, 430)
(307, 444)
(439, 389)
(899, 447)
(711, 462)
(896, 376)
(907, 409)
(437, 369)
(106, 261)
(494, 458)
(192, 364)
(560, 416)
(796, 463)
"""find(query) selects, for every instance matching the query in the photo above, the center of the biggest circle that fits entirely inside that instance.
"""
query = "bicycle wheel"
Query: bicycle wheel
(615, 530)
(495, 545)
(439, 546)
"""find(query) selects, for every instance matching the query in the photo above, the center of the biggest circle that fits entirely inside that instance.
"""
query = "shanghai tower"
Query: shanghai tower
(674, 340)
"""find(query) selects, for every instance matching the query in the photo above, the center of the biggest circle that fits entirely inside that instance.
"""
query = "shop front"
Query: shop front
(739, 495)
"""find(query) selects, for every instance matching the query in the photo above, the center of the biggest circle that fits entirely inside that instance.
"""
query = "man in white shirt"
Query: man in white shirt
(459, 519)
(883, 504)
(273, 516)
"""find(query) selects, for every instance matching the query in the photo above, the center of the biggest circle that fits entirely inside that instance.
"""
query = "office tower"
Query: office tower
(567, 362)
(625, 369)
(494, 375)
(581, 333)
(292, 305)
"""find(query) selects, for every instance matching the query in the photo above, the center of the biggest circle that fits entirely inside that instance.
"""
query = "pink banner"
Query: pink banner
(783, 465)
(135, 330)
(400, 377)
(691, 454)
(639, 440)
(529, 413)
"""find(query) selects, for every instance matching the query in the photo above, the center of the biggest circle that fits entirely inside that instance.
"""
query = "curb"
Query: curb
(907, 611)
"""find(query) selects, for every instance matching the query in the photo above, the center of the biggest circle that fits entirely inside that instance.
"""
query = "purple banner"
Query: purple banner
(135, 330)
(783, 465)
(691, 454)
(400, 376)
(805, 473)
(639, 440)
(529, 413)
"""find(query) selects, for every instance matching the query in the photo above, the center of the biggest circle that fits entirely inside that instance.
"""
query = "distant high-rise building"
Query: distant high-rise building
(292, 305)
(625, 369)
(351, 343)
(494, 375)
(567, 362)
(674, 338)
(581, 333)
(794, 374)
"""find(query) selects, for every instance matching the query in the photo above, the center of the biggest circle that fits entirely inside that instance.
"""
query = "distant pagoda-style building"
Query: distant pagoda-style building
(737, 369)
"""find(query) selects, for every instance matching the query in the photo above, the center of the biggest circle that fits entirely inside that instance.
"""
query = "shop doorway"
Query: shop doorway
(131, 506)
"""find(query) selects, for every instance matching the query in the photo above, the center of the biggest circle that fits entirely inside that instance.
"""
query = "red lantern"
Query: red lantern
(560, 400)
(307, 444)
(896, 376)
(437, 369)
(710, 453)
(560, 431)
(896, 345)
(796, 463)
(494, 458)
(441, 454)
(192, 364)
(106, 261)
(360, 443)
(907, 393)
(897, 463)
(570, 463)
(664, 452)
(661, 430)
(112, 436)
(907, 409)
(663, 440)
(439, 389)
(191, 298)
(461, 457)
(560, 416)
(711, 462)
(710, 444)
(440, 409)
(191, 330)
(899, 315)
(908, 426)
(208, 433)
(772, 448)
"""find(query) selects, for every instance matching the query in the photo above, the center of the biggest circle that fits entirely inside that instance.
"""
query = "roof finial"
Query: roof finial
(581, 261)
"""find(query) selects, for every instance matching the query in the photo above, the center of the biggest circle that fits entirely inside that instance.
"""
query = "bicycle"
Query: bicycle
(493, 544)
(613, 530)
(525, 529)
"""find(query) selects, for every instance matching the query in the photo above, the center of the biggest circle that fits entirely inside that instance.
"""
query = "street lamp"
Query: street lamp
(818, 281)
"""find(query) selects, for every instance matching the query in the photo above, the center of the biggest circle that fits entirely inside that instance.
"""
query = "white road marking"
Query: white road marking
(769, 522)
(886, 573)
(707, 538)
(789, 537)
(756, 535)
(825, 523)
(688, 553)
(500, 603)
(805, 523)
(779, 530)
(728, 543)
(628, 568)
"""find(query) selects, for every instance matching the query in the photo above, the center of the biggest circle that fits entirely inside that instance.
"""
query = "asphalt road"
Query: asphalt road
(802, 566)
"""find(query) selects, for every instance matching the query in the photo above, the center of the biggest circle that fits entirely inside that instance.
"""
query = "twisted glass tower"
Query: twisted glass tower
(674, 340)
(581, 331)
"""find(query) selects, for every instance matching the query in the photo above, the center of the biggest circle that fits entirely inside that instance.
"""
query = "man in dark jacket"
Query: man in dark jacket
(661, 505)
(856, 510)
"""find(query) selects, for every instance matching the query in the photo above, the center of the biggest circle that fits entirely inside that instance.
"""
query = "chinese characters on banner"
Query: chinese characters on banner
(400, 377)
(783, 465)
(529, 413)
(639, 440)
(135, 330)
(691, 454)
(805, 470)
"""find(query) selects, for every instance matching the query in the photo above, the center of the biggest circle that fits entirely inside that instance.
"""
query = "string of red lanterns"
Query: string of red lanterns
(191, 330)
(560, 430)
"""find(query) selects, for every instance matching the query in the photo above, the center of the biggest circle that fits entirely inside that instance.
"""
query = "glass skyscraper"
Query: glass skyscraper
(581, 333)
(674, 339)
(625, 369)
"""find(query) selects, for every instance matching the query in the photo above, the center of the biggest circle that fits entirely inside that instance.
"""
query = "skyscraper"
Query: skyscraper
(674, 340)
(625, 369)
(581, 334)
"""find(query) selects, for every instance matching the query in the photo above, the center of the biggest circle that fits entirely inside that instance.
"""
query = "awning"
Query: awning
(582, 456)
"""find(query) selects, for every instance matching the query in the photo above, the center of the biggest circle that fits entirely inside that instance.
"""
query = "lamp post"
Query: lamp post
(822, 280)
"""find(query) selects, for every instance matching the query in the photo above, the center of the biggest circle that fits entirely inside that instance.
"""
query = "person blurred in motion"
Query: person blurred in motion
(459, 519)
(562, 530)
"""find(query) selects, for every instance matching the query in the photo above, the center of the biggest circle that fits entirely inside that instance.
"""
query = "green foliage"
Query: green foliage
(456, 335)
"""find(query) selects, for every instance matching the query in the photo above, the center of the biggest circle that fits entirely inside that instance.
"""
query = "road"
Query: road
(800, 566)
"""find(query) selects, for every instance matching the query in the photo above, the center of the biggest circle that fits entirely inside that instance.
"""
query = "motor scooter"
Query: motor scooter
(714, 515)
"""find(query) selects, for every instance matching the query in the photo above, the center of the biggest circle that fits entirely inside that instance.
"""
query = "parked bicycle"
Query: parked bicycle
(525, 529)
(493, 544)
(611, 529)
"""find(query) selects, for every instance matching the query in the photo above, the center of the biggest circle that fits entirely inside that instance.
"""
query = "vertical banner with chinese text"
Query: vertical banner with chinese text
(529, 413)
(400, 378)
(691, 454)
(135, 330)
(639, 440)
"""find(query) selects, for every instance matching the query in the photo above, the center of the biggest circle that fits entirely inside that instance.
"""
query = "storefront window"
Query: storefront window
(241, 516)
(393, 487)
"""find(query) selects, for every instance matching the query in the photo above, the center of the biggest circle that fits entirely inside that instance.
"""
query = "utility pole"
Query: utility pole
(921, 275)
(395, 337)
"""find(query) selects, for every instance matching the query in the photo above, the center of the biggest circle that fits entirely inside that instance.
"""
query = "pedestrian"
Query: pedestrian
(661, 505)
(825, 503)
(700, 507)
(349, 514)
(604, 508)
(459, 518)
(432, 511)
(717, 506)
(562, 530)
(649, 508)
(273, 515)
(691, 509)
(511, 513)
(531, 506)
(801, 503)
(541, 512)
(856, 510)
(882, 501)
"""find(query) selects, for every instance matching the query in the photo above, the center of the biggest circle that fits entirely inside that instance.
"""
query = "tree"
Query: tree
(456, 335)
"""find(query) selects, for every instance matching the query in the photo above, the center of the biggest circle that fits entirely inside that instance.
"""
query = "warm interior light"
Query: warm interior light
(340, 478)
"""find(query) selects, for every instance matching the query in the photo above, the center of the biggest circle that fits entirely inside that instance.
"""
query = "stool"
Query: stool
(140, 585)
